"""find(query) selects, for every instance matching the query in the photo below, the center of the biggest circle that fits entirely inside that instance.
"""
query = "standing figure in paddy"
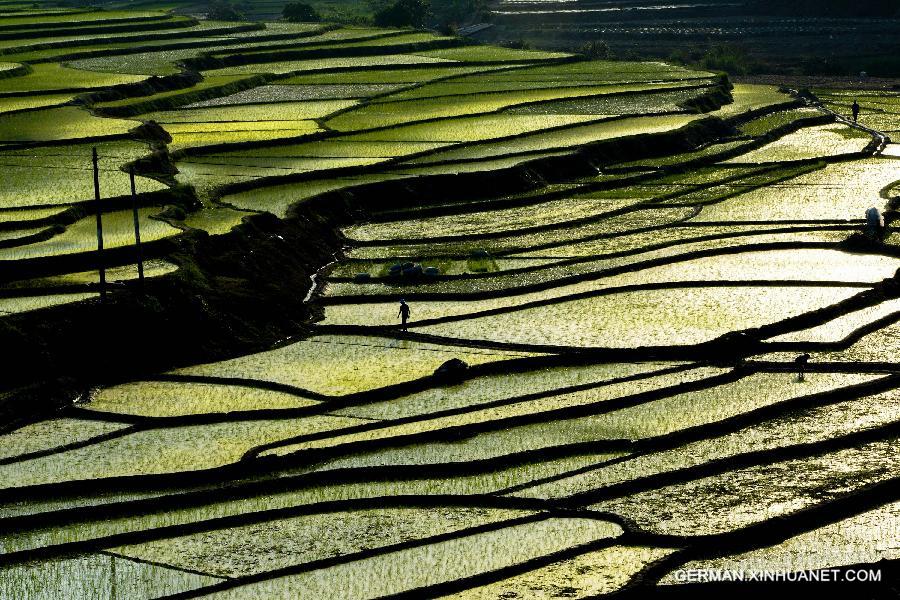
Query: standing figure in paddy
(801, 362)
(854, 108)
(403, 314)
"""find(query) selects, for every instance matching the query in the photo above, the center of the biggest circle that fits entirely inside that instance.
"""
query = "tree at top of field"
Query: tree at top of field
(300, 12)
(403, 13)
(220, 10)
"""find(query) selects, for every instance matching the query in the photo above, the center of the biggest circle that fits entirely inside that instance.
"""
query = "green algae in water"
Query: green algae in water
(865, 538)
(152, 268)
(46, 77)
(472, 86)
(726, 502)
(773, 265)
(49, 505)
(706, 153)
(190, 135)
(592, 71)
(492, 54)
(748, 97)
(517, 409)
(447, 266)
(63, 123)
(216, 221)
(765, 124)
(169, 399)
(544, 214)
(169, 450)
(555, 238)
(271, 545)
(681, 238)
(29, 214)
(655, 317)
(436, 563)
(492, 388)
(52, 433)
(878, 346)
(297, 67)
(482, 483)
(81, 236)
(327, 148)
(759, 390)
(287, 93)
(208, 82)
(43, 176)
(709, 405)
(474, 129)
(578, 130)
(392, 113)
(821, 141)
(655, 418)
(643, 104)
(389, 76)
(282, 111)
(95, 577)
(839, 328)
(338, 365)
(843, 190)
(27, 303)
(798, 264)
(585, 576)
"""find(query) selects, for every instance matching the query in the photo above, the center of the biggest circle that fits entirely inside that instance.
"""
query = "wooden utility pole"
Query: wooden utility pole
(137, 232)
(100, 267)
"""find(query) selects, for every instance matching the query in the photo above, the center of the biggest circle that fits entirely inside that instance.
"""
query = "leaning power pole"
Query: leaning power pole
(100, 267)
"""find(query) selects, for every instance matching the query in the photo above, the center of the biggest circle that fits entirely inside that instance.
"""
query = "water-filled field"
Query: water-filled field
(610, 268)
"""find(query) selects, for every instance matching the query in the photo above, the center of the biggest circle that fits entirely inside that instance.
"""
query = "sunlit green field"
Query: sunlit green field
(591, 238)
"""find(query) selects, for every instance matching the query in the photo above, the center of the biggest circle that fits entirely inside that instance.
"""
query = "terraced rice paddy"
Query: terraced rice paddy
(610, 268)
(879, 110)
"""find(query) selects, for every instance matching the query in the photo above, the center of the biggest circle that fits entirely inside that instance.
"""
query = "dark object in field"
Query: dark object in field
(874, 223)
(412, 270)
(480, 261)
(151, 131)
(801, 362)
(734, 345)
(452, 370)
(403, 314)
(361, 277)
(855, 109)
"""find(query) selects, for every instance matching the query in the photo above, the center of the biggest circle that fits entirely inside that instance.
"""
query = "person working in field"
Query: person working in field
(854, 108)
(801, 361)
(403, 314)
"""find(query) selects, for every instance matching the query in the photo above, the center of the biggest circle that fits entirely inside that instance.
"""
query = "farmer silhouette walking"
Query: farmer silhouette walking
(855, 109)
(801, 361)
(403, 314)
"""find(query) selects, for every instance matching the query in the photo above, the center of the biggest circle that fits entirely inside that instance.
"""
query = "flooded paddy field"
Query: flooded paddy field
(610, 269)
